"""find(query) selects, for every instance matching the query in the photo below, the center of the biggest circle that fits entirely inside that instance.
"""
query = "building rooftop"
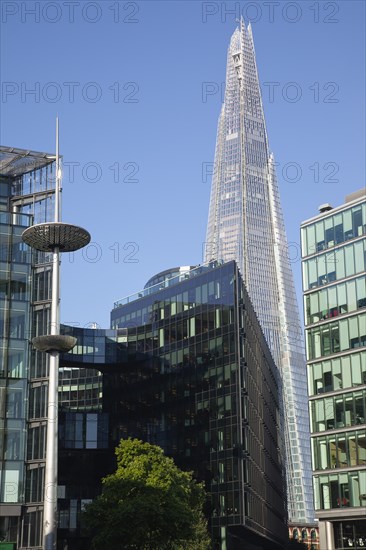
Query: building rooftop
(326, 209)
(15, 162)
(187, 273)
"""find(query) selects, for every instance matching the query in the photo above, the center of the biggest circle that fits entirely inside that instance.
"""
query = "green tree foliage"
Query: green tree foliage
(148, 503)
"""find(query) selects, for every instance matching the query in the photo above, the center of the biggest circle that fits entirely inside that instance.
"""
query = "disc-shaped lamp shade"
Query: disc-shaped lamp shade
(48, 236)
(51, 343)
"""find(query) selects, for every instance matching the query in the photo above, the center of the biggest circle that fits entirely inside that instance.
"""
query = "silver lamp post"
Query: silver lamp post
(54, 237)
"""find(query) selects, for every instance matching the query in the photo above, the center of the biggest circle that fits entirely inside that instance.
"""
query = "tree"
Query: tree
(148, 503)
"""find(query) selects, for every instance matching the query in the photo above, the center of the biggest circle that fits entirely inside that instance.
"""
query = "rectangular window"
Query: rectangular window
(338, 229)
(361, 449)
(192, 326)
(342, 299)
(351, 295)
(323, 304)
(344, 335)
(339, 263)
(10, 486)
(335, 337)
(320, 239)
(347, 225)
(329, 232)
(349, 260)
(325, 340)
(337, 374)
(361, 292)
(352, 449)
(91, 431)
(356, 369)
(357, 221)
(312, 273)
(349, 411)
(310, 239)
(311, 383)
(353, 333)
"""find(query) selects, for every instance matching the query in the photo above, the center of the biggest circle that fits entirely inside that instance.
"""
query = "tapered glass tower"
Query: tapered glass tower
(245, 223)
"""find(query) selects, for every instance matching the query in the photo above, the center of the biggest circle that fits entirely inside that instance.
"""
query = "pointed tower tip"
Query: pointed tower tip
(241, 23)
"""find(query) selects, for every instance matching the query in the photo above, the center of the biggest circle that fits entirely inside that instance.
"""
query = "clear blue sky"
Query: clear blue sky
(136, 86)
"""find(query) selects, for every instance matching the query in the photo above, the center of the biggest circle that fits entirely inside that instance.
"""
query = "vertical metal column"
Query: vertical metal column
(50, 493)
(54, 237)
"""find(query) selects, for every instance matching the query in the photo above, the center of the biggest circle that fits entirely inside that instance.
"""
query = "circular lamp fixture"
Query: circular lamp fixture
(48, 236)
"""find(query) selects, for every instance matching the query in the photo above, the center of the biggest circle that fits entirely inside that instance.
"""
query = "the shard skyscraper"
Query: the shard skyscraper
(246, 224)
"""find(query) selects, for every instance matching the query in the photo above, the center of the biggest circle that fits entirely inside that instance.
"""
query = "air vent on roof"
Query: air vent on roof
(325, 207)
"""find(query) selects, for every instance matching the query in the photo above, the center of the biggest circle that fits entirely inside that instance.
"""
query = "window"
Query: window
(338, 412)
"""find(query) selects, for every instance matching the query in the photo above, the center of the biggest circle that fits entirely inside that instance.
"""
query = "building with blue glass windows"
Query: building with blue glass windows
(185, 366)
(27, 180)
(334, 281)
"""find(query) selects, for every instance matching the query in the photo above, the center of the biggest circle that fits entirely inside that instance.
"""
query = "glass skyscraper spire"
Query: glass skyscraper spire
(245, 223)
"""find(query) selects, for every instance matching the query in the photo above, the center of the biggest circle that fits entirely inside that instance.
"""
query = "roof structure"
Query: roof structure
(15, 162)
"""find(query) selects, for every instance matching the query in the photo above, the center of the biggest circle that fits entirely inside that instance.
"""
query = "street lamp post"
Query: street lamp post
(54, 237)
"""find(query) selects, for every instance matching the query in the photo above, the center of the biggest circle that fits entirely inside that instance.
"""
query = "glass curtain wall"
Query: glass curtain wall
(334, 277)
(27, 187)
(245, 223)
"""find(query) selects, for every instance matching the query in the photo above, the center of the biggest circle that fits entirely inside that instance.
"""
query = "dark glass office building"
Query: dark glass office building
(184, 366)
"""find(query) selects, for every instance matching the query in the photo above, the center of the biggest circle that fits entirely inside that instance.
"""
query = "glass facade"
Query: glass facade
(335, 322)
(85, 450)
(335, 300)
(336, 265)
(340, 490)
(15, 296)
(334, 230)
(350, 534)
(186, 367)
(337, 411)
(340, 450)
(336, 336)
(245, 223)
(342, 372)
(26, 197)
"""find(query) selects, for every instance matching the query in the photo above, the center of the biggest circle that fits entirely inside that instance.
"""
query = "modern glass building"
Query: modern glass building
(334, 281)
(186, 367)
(245, 223)
(26, 197)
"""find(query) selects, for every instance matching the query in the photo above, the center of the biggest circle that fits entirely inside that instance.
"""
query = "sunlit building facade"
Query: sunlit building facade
(27, 189)
(334, 281)
(245, 223)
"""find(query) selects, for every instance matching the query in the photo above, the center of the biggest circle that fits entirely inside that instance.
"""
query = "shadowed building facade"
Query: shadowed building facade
(186, 367)
(193, 372)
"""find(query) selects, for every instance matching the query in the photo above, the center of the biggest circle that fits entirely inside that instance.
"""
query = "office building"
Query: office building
(334, 281)
(27, 181)
(185, 366)
(245, 223)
